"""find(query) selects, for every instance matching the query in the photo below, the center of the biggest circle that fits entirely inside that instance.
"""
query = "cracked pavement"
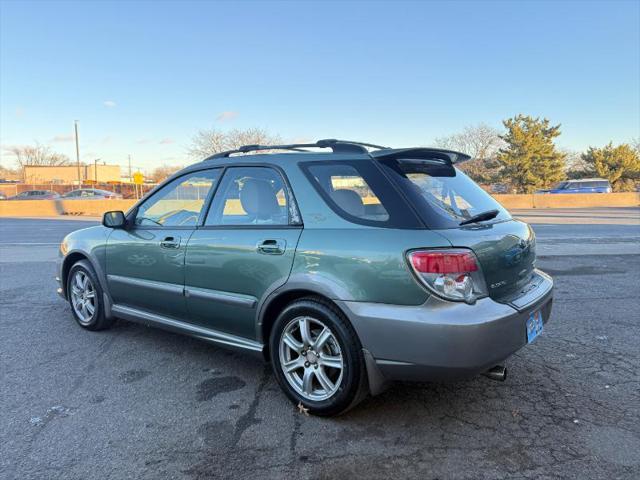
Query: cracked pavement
(137, 402)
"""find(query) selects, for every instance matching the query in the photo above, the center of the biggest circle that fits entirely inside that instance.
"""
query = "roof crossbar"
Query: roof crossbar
(337, 146)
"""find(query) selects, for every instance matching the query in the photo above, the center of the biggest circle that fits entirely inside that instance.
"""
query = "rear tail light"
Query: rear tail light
(452, 274)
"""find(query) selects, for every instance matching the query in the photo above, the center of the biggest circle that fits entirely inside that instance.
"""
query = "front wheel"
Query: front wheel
(317, 357)
(85, 297)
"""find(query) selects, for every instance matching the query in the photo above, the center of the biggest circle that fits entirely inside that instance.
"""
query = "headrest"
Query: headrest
(258, 198)
(349, 201)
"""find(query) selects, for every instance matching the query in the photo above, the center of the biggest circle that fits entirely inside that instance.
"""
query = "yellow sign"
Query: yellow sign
(138, 178)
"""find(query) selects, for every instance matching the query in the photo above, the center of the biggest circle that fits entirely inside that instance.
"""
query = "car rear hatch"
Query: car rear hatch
(447, 200)
(506, 252)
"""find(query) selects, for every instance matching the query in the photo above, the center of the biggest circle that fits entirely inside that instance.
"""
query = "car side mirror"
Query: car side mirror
(114, 219)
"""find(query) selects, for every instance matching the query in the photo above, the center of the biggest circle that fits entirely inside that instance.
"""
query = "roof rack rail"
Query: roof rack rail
(337, 146)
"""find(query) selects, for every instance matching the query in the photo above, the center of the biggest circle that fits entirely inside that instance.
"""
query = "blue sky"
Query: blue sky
(143, 77)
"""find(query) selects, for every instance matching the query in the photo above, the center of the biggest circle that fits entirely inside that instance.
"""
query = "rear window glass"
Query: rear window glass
(442, 194)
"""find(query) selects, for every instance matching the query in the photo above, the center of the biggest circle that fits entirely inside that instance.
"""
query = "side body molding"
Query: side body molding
(206, 334)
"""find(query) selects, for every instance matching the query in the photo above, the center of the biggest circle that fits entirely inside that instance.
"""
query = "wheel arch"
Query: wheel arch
(70, 260)
(277, 302)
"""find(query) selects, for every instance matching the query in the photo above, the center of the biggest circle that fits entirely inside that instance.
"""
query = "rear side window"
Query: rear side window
(359, 192)
(442, 194)
(350, 192)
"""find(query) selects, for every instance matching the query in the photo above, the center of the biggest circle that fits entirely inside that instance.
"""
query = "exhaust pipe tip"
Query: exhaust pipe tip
(498, 373)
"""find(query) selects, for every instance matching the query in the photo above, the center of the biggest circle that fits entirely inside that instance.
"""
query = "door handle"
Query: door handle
(272, 247)
(170, 242)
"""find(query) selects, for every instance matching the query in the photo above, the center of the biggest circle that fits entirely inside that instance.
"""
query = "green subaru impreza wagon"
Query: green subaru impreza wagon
(346, 265)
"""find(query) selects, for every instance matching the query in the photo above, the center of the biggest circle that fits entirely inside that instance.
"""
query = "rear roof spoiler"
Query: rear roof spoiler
(448, 156)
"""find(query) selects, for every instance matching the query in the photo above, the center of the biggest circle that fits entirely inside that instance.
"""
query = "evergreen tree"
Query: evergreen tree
(620, 165)
(530, 160)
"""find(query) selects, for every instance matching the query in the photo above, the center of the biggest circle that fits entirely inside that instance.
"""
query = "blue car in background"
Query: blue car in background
(585, 185)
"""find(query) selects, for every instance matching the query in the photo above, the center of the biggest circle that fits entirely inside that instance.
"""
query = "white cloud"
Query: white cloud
(226, 116)
(8, 148)
(143, 141)
(62, 138)
(109, 103)
(166, 141)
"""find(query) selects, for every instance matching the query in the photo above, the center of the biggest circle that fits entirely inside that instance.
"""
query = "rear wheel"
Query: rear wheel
(317, 358)
(85, 297)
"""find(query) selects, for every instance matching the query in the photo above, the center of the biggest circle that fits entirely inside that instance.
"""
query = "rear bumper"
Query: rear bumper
(444, 340)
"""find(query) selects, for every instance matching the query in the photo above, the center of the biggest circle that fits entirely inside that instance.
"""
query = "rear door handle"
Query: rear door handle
(272, 247)
(170, 242)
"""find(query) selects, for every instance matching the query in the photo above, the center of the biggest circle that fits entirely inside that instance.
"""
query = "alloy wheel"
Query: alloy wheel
(311, 358)
(83, 296)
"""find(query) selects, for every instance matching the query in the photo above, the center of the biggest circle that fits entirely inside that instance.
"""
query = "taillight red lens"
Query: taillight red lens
(443, 262)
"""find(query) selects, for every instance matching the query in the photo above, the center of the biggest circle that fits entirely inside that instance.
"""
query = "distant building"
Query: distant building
(68, 174)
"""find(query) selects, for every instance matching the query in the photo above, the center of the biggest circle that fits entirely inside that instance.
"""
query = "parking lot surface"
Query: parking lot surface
(137, 402)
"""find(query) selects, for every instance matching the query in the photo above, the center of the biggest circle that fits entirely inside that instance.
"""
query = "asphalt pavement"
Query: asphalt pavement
(137, 402)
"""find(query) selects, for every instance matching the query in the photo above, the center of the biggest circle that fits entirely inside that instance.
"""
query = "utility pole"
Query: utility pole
(95, 170)
(77, 153)
(130, 179)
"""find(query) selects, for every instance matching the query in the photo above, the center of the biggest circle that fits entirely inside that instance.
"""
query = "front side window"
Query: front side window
(443, 195)
(179, 203)
(250, 196)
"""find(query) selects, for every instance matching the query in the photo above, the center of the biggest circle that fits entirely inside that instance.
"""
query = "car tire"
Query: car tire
(86, 297)
(305, 366)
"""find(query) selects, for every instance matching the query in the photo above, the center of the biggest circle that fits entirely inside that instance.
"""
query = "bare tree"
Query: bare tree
(575, 165)
(482, 143)
(208, 142)
(37, 155)
(8, 173)
(160, 173)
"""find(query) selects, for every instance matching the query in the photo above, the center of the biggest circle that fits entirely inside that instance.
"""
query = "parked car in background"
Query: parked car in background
(90, 194)
(35, 195)
(500, 188)
(345, 269)
(3, 196)
(584, 185)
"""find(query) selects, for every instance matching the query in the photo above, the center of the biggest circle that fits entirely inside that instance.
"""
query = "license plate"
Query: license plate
(534, 325)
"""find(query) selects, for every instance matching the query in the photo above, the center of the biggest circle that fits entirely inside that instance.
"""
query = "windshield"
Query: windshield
(442, 194)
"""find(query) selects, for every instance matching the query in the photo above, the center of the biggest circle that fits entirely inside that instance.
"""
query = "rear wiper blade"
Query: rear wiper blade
(481, 217)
